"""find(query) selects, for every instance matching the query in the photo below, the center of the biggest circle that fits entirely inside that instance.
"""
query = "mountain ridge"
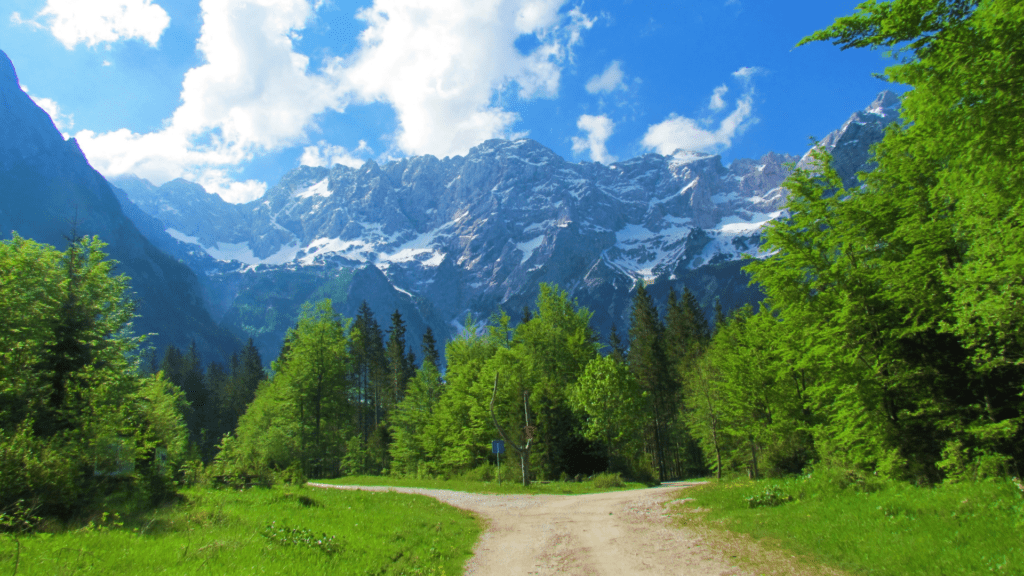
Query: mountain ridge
(477, 233)
(49, 192)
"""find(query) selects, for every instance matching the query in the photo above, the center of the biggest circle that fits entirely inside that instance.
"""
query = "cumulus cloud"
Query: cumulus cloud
(74, 22)
(327, 155)
(608, 81)
(598, 129)
(718, 98)
(679, 132)
(253, 94)
(62, 121)
(439, 64)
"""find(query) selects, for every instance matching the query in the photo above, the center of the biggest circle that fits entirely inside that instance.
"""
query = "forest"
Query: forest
(889, 341)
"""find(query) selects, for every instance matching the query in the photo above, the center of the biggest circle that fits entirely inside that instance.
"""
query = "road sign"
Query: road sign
(497, 446)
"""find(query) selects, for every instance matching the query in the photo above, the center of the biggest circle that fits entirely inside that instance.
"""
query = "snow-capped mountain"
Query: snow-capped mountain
(475, 233)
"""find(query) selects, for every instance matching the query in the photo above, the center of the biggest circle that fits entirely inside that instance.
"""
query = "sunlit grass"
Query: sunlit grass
(284, 530)
(486, 487)
(872, 527)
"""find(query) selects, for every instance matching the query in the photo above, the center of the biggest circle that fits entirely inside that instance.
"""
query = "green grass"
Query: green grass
(871, 527)
(285, 530)
(483, 487)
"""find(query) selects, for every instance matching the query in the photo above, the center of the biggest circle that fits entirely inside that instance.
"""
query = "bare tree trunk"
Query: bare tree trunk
(523, 451)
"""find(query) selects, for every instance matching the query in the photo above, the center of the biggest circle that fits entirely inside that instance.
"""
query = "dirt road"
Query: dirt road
(614, 533)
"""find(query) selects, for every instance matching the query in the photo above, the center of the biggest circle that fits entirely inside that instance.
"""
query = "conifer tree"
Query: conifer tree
(648, 362)
(429, 349)
(618, 348)
(370, 370)
(398, 366)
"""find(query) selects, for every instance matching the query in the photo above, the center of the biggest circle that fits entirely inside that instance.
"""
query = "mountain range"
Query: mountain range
(439, 240)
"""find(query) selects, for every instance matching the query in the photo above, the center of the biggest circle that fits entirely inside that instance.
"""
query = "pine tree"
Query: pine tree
(398, 366)
(618, 348)
(370, 370)
(429, 349)
(648, 363)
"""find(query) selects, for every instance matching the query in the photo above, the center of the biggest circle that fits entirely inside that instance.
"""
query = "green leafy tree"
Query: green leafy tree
(410, 420)
(303, 414)
(609, 396)
(69, 382)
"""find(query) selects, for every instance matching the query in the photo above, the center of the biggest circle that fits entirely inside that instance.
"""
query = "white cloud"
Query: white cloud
(253, 94)
(598, 129)
(218, 181)
(439, 64)
(62, 121)
(327, 155)
(746, 72)
(717, 98)
(17, 19)
(679, 132)
(101, 21)
(608, 81)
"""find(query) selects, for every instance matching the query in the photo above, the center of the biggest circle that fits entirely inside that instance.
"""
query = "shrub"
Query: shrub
(772, 496)
(608, 480)
(482, 473)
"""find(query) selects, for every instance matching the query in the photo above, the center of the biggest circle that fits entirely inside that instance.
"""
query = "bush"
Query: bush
(292, 475)
(608, 480)
(482, 473)
(772, 496)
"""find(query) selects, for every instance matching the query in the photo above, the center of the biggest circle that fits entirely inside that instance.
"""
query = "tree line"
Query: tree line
(889, 341)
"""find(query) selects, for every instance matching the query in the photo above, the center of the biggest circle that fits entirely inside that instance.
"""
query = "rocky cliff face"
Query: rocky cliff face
(48, 190)
(478, 233)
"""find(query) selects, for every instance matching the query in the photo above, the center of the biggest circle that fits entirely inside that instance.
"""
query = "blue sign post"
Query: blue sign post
(498, 448)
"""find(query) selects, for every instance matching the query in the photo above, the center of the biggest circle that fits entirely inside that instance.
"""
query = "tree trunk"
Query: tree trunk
(523, 451)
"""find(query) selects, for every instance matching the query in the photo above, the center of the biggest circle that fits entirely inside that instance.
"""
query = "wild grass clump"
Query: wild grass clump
(609, 480)
(864, 525)
(771, 496)
(301, 537)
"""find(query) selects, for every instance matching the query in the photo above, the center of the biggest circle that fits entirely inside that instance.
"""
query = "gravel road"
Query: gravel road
(613, 533)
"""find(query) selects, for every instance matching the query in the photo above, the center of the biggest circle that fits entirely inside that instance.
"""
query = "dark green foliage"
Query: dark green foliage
(891, 338)
(649, 363)
(429, 349)
(77, 421)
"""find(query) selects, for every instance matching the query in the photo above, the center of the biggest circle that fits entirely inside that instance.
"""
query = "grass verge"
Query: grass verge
(488, 487)
(284, 530)
(862, 526)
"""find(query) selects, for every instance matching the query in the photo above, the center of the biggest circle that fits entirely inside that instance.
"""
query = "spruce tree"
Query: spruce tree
(429, 349)
(648, 363)
(398, 365)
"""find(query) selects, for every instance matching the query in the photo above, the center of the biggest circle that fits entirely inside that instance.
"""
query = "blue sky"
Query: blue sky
(235, 93)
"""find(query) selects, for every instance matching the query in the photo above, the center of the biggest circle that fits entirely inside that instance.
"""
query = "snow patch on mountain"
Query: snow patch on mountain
(318, 189)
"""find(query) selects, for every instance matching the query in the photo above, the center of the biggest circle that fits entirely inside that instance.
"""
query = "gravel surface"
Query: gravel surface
(613, 533)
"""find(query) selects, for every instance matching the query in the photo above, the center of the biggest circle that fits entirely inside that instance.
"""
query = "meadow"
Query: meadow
(280, 530)
(863, 525)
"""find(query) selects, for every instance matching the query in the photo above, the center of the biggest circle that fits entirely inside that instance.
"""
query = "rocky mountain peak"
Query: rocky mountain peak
(850, 145)
(885, 100)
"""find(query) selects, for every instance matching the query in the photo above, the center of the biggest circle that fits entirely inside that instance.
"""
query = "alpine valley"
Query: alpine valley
(439, 240)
